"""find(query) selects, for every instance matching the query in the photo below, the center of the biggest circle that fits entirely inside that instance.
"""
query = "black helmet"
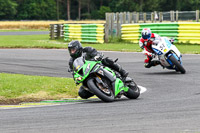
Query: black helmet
(75, 49)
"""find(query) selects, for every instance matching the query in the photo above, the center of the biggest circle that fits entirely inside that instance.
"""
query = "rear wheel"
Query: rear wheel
(105, 94)
(133, 91)
(177, 64)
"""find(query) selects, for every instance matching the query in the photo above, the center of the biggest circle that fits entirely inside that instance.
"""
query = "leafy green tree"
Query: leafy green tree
(48, 9)
(86, 9)
(149, 6)
(37, 10)
(125, 5)
(7, 9)
(188, 5)
(102, 11)
(100, 14)
(95, 14)
(195, 4)
(89, 7)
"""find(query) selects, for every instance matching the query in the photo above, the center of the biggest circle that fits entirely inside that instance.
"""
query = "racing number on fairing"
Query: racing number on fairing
(162, 46)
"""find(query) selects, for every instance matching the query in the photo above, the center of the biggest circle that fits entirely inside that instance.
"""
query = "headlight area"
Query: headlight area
(79, 78)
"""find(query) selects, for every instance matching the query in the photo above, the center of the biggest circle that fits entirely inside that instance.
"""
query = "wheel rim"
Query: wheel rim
(104, 89)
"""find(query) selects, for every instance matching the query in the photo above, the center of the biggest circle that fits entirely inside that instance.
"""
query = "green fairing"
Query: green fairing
(119, 85)
(91, 64)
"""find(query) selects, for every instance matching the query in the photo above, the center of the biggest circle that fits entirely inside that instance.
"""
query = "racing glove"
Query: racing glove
(171, 40)
(99, 56)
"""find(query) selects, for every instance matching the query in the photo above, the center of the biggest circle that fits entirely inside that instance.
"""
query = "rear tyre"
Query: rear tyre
(106, 97)
(177, 64)
(133, 91)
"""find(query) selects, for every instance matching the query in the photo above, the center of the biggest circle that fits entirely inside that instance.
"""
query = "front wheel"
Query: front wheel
(177, 64)
(104, 94)
(133, 91)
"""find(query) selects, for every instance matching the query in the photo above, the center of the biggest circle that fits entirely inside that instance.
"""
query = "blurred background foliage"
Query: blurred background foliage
(85, 9)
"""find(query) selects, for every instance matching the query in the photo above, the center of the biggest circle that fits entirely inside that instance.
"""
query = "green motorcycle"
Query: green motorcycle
(103, 82)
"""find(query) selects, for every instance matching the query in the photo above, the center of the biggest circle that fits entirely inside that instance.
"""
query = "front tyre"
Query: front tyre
(133, 91)
(177, 64)
(106, 97)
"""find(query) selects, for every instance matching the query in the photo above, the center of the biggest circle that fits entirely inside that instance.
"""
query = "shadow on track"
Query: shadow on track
(162, 73)
(116, 100)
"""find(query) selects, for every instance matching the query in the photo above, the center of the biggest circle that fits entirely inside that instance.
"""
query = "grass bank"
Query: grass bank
(16, 88)
(40, 24)
(42, 41)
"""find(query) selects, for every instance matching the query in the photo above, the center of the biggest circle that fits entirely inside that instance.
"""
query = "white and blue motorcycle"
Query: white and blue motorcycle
(169, 55)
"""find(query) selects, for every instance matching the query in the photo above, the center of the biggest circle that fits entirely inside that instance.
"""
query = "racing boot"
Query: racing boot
(152, 63)
(113, 65)
(156, 62)
(122, 72)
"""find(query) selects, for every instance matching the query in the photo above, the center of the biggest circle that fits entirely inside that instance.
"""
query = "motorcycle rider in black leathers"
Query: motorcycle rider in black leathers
(76, 50)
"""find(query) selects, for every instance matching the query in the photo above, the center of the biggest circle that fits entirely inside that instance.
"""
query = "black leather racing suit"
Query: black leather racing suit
(90, 53)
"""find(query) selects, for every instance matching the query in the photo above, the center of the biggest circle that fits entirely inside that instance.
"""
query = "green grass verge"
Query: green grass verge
(15, 88)
(189, 48)
(42, 41)
(29, 41)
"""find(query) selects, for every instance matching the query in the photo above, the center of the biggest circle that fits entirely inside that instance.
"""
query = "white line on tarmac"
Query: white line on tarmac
(142, 89)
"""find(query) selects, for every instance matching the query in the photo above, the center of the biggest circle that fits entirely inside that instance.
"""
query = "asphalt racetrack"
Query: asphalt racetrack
(171, 103)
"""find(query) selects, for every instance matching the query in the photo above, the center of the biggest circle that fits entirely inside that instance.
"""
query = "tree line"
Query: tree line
(85, 9)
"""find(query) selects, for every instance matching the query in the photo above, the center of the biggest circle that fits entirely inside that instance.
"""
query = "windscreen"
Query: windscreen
(78, 63)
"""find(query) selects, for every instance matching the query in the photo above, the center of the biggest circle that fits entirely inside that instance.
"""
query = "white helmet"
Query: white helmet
(146, 34)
